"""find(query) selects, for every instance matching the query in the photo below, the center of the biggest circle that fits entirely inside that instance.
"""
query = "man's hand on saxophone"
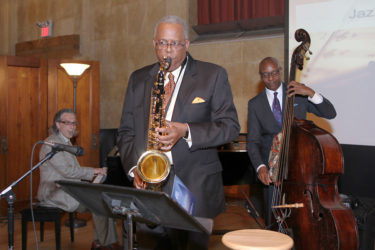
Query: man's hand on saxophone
(170, 134)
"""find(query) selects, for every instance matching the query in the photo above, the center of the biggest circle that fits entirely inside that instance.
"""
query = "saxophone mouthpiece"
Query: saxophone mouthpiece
(167, 62)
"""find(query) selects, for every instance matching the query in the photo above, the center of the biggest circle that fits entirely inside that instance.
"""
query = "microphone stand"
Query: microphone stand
(11, 197)
(253, 212)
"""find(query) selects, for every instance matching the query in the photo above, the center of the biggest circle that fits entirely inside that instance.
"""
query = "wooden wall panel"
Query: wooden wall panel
(24, 120)
(3, 130)
(51, 47)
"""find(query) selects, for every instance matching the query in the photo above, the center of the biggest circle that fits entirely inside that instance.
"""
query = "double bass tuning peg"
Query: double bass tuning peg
(306, 48)
(307, 57)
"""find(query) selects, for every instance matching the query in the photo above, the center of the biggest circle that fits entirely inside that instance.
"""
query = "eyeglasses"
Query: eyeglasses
(268, 74)
(68, 123)
(163, 44)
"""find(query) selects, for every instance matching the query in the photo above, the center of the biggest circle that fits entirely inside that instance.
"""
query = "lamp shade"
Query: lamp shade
(74, 69)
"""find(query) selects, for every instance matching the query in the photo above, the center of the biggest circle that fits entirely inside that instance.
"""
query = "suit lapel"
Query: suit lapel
(265, 104)
(185, 90)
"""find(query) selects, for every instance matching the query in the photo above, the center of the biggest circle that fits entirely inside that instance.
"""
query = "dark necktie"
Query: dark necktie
(168, 88)
(276, 109)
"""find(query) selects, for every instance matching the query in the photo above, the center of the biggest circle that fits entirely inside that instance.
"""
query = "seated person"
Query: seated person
(65, 166)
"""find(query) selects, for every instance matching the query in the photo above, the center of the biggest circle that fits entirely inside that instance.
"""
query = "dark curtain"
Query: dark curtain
(222, 11)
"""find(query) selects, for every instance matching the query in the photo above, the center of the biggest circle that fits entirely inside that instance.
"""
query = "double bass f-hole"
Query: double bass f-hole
(315, 212)
(309, 197)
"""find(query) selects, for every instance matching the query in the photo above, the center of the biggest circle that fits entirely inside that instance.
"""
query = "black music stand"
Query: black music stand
(135, 205)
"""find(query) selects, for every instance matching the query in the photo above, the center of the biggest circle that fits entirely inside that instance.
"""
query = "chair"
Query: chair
(45, 214)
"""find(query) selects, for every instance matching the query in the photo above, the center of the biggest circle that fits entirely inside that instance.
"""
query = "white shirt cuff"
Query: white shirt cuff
(316, 99)
(188, 140)
(131, 172)
(260, 166)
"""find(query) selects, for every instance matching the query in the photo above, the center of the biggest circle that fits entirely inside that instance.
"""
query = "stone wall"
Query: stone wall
(118, 34)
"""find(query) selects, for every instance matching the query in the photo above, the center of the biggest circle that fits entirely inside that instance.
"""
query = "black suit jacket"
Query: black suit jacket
(212, 123)
(262, 125)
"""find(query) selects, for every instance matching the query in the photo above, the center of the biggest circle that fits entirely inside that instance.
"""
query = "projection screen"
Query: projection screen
(342, 66)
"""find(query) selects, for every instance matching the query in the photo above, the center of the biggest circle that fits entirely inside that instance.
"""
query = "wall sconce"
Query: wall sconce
(75, 70)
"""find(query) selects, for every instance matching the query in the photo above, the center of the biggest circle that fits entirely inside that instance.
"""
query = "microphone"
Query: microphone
(75, 150)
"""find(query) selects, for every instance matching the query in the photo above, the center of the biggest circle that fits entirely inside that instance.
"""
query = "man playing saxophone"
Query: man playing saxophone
(200, 115)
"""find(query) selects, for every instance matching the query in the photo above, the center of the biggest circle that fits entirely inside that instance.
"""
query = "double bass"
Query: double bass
(305, 163)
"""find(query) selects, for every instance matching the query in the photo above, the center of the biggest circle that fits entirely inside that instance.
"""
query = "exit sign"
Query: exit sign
(45, 28)
(46, 32)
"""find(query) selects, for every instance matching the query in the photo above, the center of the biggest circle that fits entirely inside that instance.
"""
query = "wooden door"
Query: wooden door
(23, 112)
(60, 95)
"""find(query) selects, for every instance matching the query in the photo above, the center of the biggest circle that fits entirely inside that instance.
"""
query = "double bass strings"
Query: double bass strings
(278, 198)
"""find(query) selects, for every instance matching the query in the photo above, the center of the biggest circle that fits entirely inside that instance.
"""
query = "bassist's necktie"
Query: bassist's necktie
(276, 109)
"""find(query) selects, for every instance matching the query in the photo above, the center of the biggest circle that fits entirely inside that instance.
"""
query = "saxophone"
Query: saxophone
(153, 166)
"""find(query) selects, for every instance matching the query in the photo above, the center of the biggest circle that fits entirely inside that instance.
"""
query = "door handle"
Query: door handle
(4, 145)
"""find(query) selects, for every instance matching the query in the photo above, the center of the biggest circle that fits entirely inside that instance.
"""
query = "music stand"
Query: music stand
(137, 205)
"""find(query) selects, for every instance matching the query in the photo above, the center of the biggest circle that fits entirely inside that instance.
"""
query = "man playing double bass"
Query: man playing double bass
(264, 120)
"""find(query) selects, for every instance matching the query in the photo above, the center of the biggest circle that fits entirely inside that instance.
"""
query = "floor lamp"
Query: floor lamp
(75, 70)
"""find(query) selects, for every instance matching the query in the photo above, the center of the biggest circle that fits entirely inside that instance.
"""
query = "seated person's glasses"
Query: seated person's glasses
(68, 123)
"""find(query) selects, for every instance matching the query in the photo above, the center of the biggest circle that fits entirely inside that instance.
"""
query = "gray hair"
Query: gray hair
(57, 118)
(173, 20)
